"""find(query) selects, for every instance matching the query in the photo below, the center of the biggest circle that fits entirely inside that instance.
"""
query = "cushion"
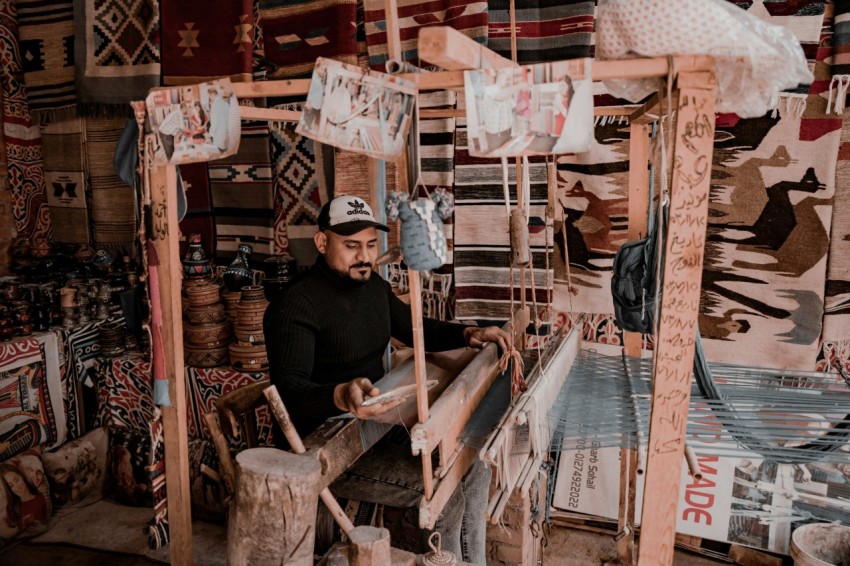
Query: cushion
(77, 470)
(24, 496)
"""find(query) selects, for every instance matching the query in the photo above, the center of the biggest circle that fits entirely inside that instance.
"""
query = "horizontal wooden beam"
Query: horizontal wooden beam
(602, 70)
(281, 115)
(449, 49)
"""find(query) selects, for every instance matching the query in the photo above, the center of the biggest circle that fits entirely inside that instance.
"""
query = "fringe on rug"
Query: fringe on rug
(45, 116)
(838, 85)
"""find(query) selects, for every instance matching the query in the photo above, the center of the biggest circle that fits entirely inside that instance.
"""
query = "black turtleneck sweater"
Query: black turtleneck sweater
(326, 330)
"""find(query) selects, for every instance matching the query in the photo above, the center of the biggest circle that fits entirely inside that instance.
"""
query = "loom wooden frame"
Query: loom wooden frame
(694, 100)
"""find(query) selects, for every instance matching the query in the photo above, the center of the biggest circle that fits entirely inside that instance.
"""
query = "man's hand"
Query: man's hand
(349, 397)
(477, 336)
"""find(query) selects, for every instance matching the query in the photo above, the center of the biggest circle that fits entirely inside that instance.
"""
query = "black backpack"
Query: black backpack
(633, 282)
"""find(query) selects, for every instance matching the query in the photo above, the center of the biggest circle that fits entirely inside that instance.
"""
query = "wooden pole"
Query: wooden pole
(228, 468)
(674, 353)
(638, 207)
(282, 415)
(273, 511)
(170, 275)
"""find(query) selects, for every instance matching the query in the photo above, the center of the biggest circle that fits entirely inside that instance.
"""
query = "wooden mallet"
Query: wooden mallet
(280, 413)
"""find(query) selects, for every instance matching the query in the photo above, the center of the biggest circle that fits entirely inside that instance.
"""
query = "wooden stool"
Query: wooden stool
(273, 510)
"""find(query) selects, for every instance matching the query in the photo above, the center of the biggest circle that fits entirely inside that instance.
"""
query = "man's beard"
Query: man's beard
(346, 275)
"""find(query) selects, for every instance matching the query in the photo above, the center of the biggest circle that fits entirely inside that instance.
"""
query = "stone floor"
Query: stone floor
(106, 533)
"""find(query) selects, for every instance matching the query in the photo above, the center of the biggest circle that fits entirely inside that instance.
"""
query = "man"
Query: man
(219, 113)
(326, 337)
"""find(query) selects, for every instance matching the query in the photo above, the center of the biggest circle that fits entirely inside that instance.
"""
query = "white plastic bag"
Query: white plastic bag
(754, 60)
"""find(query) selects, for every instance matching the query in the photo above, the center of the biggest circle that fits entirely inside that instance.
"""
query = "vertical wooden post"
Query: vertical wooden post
(394, 52)
(164, 239)
(638, 205)
(674, 353)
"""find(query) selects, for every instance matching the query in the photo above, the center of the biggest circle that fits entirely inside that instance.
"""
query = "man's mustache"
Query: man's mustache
(365, 264)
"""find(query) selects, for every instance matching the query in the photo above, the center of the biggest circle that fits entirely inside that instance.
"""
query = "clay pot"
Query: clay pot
(251, 307)
(7, 332)
(68, 297)
(20, 247)
(251, 316)
(40, 247)
(207, 314)
(205, 357)
(200, 295)
(248, 358)
(84, 253)
(205, 334)
(11, 291)
(252, 293)
(280, 267)
(249, 336)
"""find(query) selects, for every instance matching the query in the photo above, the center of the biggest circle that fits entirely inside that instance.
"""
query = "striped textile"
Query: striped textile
(296, 32)
(206, 40)
(841, 39)
(113, 201)
(593, 200)
(547, 30)
(64, 172)
(466, 16)
(481, 244)
(21, 136)
(46, 43)
(242, 196)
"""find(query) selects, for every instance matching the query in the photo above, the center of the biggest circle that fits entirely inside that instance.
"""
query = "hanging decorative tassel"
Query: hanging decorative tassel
(518, 383)
(840, 83)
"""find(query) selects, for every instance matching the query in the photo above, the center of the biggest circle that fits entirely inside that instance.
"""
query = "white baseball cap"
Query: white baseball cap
(346, 215)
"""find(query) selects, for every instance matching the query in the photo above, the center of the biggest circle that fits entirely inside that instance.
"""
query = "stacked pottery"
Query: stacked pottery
(231, 302)
(248, 353)
(207, 330)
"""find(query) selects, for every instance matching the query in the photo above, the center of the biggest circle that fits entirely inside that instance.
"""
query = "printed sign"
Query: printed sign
(195, 123)
(356, 110)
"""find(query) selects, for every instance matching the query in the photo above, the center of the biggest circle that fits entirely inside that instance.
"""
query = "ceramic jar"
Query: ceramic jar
(195, 262)
(239, 274)
(248, 358)
(68, 297)
(218, 333)
(206, 314)
(205, 294)
(10, 291)
(40, 247)
(205, 357)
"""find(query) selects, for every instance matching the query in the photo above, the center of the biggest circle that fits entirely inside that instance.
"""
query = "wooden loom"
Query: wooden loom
(693, 140)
